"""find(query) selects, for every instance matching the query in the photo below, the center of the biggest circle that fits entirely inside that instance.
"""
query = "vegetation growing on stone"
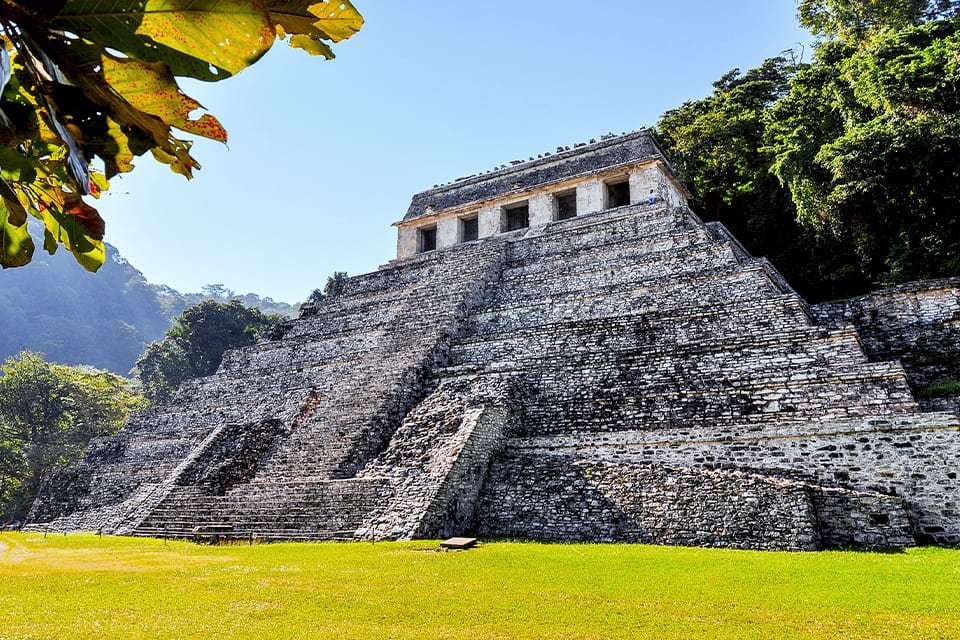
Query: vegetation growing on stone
(944, 388)
(332, 288)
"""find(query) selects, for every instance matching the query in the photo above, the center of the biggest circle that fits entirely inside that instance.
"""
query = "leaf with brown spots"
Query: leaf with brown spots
(205, 39)
(150, 87)
(310, 24)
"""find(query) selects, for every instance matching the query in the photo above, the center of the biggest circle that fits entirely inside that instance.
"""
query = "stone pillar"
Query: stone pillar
(590, 196)
(542, 209)
(406, 242)
(448, 232)
(490, 221)
(652, 177)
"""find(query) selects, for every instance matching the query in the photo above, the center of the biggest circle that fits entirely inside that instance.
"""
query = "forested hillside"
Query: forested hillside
(842, 166)
(104, 319)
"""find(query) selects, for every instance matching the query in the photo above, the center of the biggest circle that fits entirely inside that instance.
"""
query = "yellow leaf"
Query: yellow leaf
(120, 154)
(150, 87)
(309, 23)
(338, 19)
(206, 39)
(312, 46)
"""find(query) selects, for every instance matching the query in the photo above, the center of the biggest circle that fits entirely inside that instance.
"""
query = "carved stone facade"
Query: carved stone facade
(613, 369)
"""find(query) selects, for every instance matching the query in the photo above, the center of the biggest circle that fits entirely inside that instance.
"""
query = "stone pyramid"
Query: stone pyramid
(562, 350)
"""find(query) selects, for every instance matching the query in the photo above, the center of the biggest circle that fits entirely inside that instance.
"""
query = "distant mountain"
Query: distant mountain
(54, 307)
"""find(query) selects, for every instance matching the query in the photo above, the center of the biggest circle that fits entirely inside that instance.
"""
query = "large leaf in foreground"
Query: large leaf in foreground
(151, 88)
(205, 39)
(310, 23)
(90, 81)
(79, 228)
(16, 246)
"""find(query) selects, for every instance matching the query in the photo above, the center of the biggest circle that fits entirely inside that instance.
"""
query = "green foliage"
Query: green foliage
(195, 345)
(97, 79)
(844, 171)
(868, 142)
(939, 389)
(856, 19)
(48, 413)
(333, 287)
(141, 588)
(334, 284)
(717, 146)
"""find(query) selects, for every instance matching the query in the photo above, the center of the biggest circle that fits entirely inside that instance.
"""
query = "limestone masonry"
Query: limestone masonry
(562, 350)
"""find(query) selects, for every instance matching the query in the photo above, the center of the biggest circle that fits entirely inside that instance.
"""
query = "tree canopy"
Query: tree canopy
(857, 19)
(195, 345)
(48, 413)
(845, 170)
(88, 85)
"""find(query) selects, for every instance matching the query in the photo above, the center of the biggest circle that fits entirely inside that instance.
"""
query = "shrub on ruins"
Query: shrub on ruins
(195, 345)
(48, 413)
(88, 85)
(333, 287)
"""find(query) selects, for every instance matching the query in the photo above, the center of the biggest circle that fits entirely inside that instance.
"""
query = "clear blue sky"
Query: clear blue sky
(324, 156)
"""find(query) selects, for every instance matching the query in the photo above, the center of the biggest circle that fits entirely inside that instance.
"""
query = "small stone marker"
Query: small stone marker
(458, 543)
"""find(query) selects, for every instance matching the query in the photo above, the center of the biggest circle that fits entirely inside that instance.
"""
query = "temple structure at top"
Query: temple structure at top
(617, 171)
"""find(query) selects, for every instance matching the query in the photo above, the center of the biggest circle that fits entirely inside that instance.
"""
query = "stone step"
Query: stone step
(294, 352)
(741, 284)
(328, 322)
(629, 270)
(611, 227)
(300, 501)
(834, 394)
(463, 263)
(696, 322)
(624, 249)
(593, 346)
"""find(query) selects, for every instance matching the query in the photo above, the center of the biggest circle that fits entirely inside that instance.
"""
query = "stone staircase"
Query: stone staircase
(626, 332)
(339, 380)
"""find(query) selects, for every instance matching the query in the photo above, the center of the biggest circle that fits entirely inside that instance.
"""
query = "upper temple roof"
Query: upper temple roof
(568, 163)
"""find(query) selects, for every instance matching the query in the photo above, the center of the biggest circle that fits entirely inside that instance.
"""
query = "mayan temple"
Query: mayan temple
(561, 350)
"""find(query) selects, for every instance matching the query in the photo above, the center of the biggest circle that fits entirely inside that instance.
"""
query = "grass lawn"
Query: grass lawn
(85, 587)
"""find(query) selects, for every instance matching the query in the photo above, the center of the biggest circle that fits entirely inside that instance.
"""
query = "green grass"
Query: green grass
(85, 587)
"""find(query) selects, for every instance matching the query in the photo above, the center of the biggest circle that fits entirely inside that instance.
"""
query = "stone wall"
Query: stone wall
(561, 497)
(916, 323)
(438, 458)
(917, 459)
